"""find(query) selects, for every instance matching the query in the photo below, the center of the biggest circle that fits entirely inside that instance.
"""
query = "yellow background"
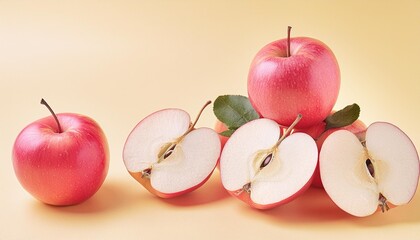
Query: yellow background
(118, 61)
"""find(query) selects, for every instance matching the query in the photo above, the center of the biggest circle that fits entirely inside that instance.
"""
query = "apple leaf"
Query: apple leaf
(234, 111)
(344, 117)
(227, 133)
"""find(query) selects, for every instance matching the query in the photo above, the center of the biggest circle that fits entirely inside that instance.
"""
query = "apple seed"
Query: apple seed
(369, 166)
(169, 151)
(382, 201)
(266, 161)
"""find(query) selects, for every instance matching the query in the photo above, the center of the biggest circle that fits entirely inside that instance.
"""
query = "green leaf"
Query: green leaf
(234, 111)
(344, 117)
(227, 133)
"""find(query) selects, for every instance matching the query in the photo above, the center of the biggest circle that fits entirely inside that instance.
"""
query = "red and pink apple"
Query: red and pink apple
(61, 159)
(294, 76)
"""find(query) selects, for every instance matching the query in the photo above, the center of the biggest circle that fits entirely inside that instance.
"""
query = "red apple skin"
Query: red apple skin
(307, 82)
(147, 184)
(318, 134)
(219, 128)
(246, 198)
(61, 168)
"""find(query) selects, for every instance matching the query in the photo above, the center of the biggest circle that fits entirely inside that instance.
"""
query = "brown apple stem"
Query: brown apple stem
(171, 148)
(289, 129)
(198, 116)
(289, 28)
(43, 102)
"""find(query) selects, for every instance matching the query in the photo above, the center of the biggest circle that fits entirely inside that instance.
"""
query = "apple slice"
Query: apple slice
(266, 170)
(168, 156)
(346, 118)
(376, 172)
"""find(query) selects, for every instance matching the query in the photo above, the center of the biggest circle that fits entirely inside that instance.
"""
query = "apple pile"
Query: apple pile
(270, 146)
(286, 136)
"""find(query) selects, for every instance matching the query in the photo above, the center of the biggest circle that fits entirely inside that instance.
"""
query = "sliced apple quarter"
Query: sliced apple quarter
(364, 175)
(264, 169)
(167, 155)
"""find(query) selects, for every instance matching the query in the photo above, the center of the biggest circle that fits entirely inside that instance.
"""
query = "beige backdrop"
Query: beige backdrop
(118, 61)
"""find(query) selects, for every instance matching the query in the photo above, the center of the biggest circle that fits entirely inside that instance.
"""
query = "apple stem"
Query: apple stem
(289, 28)
(289, 129)
(198, 116)
(245, 188)
(43, 102)
(146, 173)
(170, 149)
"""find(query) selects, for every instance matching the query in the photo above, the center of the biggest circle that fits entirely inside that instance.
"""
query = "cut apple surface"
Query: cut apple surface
(264, 169)
(168, 156)
(364, 175)
(319, 134)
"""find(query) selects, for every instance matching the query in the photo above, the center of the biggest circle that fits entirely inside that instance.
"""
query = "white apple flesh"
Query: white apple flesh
(264, 171)
(319, 134)
(364, 175)
(168, 156)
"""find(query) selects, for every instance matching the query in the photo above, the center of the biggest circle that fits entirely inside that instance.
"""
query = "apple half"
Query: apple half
(375, 170)
(264, 169)
(168, 156)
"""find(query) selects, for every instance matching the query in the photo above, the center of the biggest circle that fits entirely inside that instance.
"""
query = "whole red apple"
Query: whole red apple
(319, 134)
(292, 76)
(61, 159)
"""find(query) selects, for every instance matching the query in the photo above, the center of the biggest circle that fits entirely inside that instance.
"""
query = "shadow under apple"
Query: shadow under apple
(408, 213)
(211, 191)
(313, 206)
(113, 195)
